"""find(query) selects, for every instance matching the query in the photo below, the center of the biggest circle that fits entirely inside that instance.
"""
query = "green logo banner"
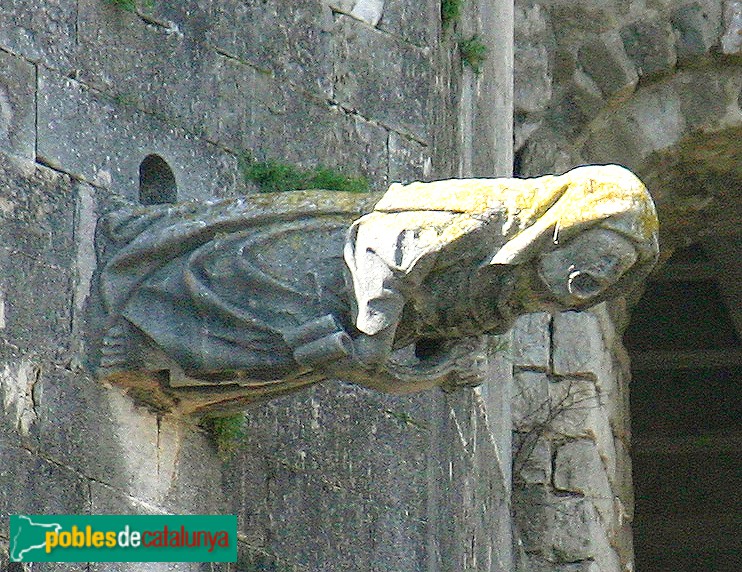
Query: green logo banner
(123, 538)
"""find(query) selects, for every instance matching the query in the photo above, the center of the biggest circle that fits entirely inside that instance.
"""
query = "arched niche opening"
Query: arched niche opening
(686, 412)
(156, 182)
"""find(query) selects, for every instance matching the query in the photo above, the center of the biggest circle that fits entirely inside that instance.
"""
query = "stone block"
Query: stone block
(731, 39)
(101, 433)
(17, 106)
(351, 438)
(103, 141)
(409, 160)
(30, 484)
(20, 393)
(530, 400)
(399, 541)
(574, 408)
(604, 59)
(651, 46)
(531, 341)
(415, 22)
(159, 70)
(622, 482)
(290, 40)
(579, 104)
(533, 54)
(362, 56)
(188, 462)
(292, 128)
(574, 17)
(546, 152)
(553, 527)
(37, 209)
(41, 31)
(703, 98)
(532, 461)
(578, 344)
(246, 476)
(579, 469)
(336, 518)
(697, 29)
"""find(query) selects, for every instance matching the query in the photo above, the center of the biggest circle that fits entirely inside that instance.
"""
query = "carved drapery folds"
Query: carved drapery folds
(213, 305)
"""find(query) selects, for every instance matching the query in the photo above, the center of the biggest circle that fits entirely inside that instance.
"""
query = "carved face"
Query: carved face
(586, 266)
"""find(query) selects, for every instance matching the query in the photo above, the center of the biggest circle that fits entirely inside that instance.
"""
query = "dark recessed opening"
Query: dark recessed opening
(685, 418)
(156, 182)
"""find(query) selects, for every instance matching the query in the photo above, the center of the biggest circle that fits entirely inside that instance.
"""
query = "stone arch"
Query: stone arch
(680, 134)
(682, 137)
(157, 183)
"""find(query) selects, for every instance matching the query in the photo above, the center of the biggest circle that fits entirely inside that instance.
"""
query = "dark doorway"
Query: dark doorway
(686, 414)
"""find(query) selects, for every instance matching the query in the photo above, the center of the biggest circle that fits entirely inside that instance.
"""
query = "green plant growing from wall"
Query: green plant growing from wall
(131, 5)
(127, 5)
(450, 12)
(473, 53)
(225, 431)
(272, 176)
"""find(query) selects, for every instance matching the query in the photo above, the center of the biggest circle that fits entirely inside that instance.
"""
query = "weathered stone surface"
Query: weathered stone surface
(41, 30)
(731, 40)
(408, 160)
(288, 127)
(578, 344)
(298, 503)
(604, 59)
(530, 399)
(30, 484)
(412, 21)
(534, 48)
(532, 462)
(104, 141)
(545, 149)
(291, 40)
(580, 102)
(363, 55)
(531, 341)
(36, 258)
(17, 106)
(651, 46)
(20, 393)
(101, 434)
(557, 528)
(579, 469)
(704, 98)
(582, 16)
(347, 436)
(573, 404)
(697, 29)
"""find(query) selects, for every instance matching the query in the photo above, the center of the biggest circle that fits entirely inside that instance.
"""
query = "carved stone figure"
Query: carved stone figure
(228, 302)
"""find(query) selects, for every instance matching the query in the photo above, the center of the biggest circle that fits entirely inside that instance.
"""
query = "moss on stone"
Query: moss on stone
(473, 53)
(225, 431)
(273, 176)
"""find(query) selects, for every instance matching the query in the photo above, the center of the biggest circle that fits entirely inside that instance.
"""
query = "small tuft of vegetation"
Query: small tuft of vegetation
(450, 12)
(272, 176)
(225, 431)
(473, 53)
(127, 5)
(131, 5)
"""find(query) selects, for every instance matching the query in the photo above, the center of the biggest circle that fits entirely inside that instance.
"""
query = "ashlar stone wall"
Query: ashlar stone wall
(334, 478)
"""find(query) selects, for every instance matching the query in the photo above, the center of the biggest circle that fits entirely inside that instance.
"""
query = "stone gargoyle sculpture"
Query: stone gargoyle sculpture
(214, 305)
